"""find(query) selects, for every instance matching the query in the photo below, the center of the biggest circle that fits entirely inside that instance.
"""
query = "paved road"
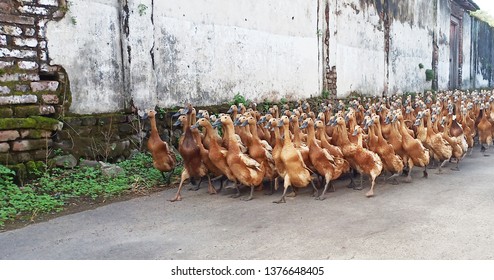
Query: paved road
(446, 216)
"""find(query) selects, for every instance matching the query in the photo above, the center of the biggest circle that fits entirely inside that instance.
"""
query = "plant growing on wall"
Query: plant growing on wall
(141, 9)
(325, 94)
(429, 75)
(421, 66)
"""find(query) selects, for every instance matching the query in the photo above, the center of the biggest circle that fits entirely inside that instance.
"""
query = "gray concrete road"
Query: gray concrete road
(448, 216)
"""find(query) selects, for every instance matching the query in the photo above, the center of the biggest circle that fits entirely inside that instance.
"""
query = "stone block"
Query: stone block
(10, 30)
(30, 32)
(14, 53)
(4, 147)
(9, 135)
(18, 99)
(72, 121)
(31, 144)
(28, 77)
(6, 64)
(3, 40)
(6, 112)
(9, 77)
(18, 19)
(4, 90)
(46, 109)
(53, 3)
(35, 134)
(23, 157)
(50, 99)
(41, 155)
(26, 42)
(44, 86)
(22, 87)
(27, 65)
(26, 111)
(33, 10)
(47, 123)
(67, 161)
(90, 121)
(6, 158)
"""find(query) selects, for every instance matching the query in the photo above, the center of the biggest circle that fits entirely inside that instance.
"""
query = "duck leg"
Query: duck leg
(370, 193)
(286, 184)
(238, 191)
(211, 189)
(170, 173)
(410, 167)
(361, 187)
(457, 167)
(272, 186)
(251, 194)
(395, 181)
(440, 170)
(196, 188)
(183, 177)
(322, 197)
(352, 183)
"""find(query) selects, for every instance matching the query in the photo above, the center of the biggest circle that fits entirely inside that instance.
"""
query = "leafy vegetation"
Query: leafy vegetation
(483, 16)
(141, 8)
(55, 187)
(239, 98)
(429, 75)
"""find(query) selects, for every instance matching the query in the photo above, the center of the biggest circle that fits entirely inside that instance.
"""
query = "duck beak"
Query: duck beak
(199, 116)
(355, 132)
(229, 111)
(217, 123)
(417, 122)
(177, 114)
(387, 120)
(262, 120)
(196, 125)
(186, 110)
(304, 125)
(245, 123)
(144, 116)
(177, 123)
(236, 122)
(280, 123)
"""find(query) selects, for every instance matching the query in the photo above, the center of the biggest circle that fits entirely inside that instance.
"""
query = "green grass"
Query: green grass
(54, 188)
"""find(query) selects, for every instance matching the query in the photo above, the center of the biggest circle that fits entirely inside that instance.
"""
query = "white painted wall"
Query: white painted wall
(357, 49)
(207, 51)
(443, 21)
(467, 54)
(411, 45)
(86, 42)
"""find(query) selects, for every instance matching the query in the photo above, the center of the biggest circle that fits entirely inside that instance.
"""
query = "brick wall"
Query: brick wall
(31, 92)
(34, 95)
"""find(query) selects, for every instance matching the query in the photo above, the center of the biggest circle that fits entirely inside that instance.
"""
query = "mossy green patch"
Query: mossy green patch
(13, 123)
(6, 112)
(46, 123)
(27, 111)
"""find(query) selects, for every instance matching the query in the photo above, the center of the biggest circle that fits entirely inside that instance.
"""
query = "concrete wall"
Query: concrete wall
(411, 45)
(86, 42)
(357, 48)
(467, 82)
(167, 53)
(482, 54)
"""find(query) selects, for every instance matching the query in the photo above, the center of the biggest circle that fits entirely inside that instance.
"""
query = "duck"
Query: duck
(191, 154)
(247, 171)
(296, 172)
(392, 162)
(164, 158)
(324, 163)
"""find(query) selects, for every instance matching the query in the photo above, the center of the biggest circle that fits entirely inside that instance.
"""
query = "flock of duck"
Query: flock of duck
(305, 147)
